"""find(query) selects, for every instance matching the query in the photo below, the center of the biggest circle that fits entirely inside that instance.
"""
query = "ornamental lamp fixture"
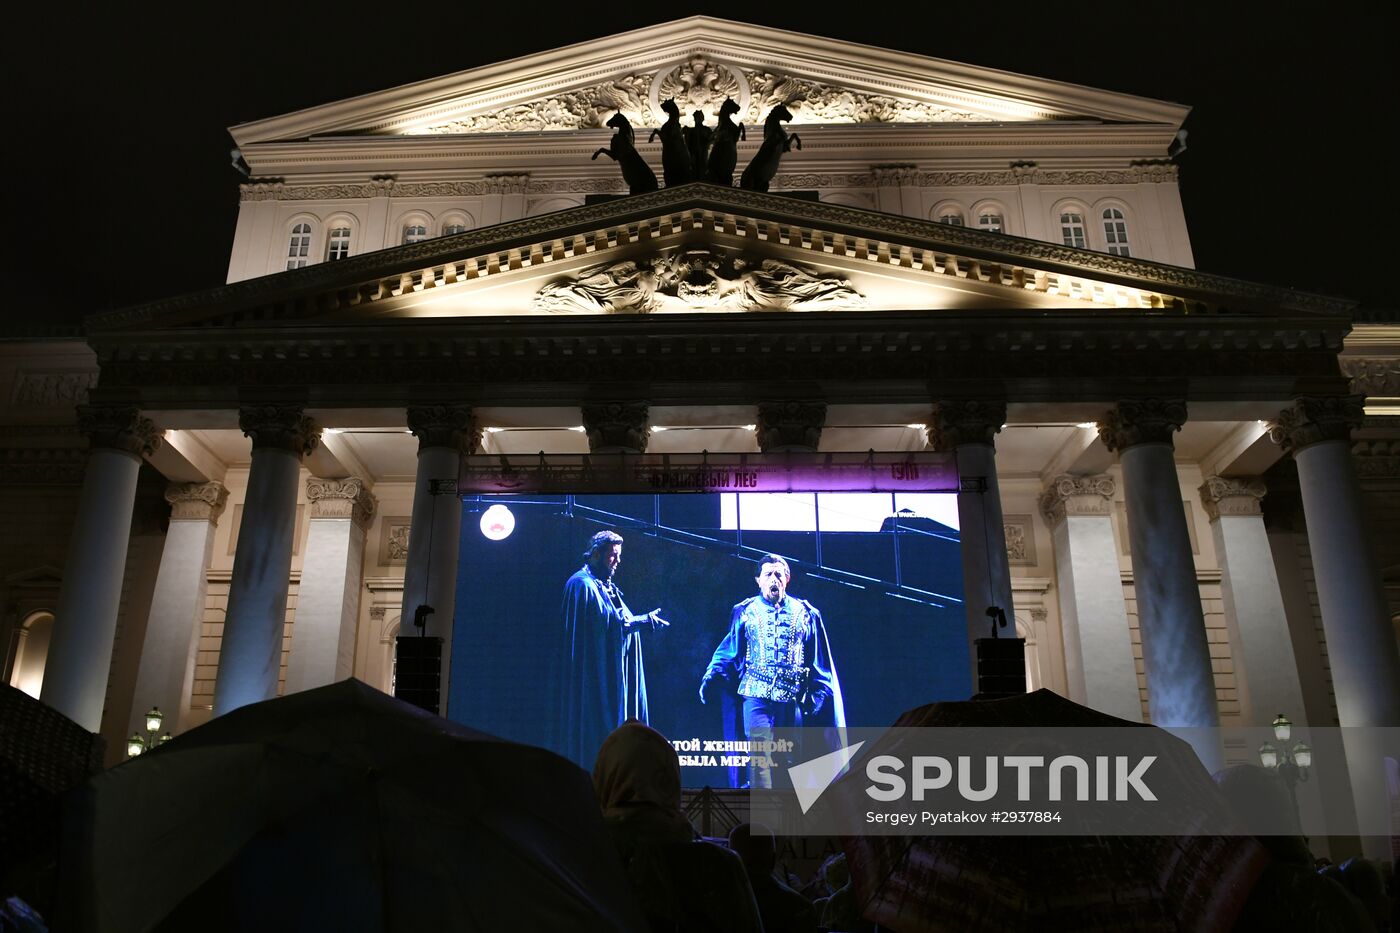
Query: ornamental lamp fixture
(1282, 728)
(138, 743)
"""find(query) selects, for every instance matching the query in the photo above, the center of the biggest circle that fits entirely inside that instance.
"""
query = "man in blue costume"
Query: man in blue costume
(777, 658)
(602, 680)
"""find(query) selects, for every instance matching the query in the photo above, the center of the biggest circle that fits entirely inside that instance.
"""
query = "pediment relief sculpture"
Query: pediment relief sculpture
(700, 83)
(698, 280)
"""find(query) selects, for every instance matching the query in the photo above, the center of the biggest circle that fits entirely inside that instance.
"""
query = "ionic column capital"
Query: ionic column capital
(955, 422)
(341, 498)
(279, 427)
(1142, 421)
(617, 427)
(1233, 495)
(1068, 494)
(452, 426)
(790, 425)
(196, 501)
(118, 428)
(1312, 419)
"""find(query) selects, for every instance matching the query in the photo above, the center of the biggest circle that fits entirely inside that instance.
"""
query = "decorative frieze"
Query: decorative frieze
(1232, 495)
(42, 466)
(790, 425)
(1142, 421)
(52, 390)
(451, 426)
(894, 176)
(1136, 175)
(1312, 419)
(341, 498)
(280, 427)
(616, 427)
(1377, 459)
(703, 278)
(196, 501)
(1069, 494)
(118, 428)
(955, 422)
(1371, 376)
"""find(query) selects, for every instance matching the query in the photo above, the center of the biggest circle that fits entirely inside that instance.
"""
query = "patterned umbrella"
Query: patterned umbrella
(962, 884)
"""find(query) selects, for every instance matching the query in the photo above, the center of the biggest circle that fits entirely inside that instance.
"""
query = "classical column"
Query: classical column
(967, 428)
(1361, 649)
(1093, 616)
(1180, 685)
(328, 600)
(790, 425)
(85, 619)
(1355, 620)
(1254, 612)
(616, 427)
(445, 433)
(250, 658)
(168, 653)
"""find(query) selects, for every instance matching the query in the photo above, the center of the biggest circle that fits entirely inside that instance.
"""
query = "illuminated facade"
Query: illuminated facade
(957, 257)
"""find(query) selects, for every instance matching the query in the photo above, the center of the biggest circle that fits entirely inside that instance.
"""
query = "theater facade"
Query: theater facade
(1181, 486)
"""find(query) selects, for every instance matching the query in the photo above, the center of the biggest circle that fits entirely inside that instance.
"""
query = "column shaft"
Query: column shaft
(1260, 642)
(328, 601)
(1093, 614)
(250, 657)
(1355, 619)
(85, 619)
(166, 673)
(1180, 684)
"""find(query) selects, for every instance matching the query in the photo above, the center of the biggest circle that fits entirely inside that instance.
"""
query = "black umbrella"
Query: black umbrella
(341, 809)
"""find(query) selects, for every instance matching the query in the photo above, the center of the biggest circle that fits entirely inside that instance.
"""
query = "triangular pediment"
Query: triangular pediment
(703, 248)
(700, 61)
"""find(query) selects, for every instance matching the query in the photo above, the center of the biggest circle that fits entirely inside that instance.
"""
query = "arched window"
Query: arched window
(1115, 231)
(32, 652)
(338, 243)
(990, 221)
(299, 246)
(454, 228)
(1072, 229)
(951, 217)
(415, 233)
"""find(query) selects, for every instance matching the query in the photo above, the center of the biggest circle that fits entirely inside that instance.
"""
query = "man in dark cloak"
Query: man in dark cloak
(601, 678)
(777, 659)
(697, 140)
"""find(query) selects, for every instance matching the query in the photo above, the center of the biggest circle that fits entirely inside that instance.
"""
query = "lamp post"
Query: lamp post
(1291, 764)
(139, 743)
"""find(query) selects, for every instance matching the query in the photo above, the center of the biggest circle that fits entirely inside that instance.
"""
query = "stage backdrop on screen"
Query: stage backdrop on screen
(883, 570)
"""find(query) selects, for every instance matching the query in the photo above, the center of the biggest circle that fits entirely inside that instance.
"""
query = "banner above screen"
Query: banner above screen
(921, 471)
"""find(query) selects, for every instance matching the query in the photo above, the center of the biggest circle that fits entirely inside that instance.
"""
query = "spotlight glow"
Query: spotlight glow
(497, 523)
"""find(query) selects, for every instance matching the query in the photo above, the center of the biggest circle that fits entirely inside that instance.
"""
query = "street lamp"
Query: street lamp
(1291, 764)
(139, 743)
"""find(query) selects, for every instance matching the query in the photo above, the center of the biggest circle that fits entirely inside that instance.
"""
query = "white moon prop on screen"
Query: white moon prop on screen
(497, 523)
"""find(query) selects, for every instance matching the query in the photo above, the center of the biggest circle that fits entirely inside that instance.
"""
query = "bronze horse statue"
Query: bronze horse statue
(622, 149)
(676, 163)
(776, 141)
(724, 151)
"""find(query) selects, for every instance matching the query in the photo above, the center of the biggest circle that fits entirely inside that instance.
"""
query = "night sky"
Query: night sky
(119, 147)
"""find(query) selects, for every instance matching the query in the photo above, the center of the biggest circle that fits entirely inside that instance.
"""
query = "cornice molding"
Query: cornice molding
(279, 190)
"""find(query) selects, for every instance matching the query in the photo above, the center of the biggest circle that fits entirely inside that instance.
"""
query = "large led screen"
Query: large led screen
(857, 618)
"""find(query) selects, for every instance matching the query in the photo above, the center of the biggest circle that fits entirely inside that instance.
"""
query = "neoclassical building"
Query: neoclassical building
(1193, 480)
